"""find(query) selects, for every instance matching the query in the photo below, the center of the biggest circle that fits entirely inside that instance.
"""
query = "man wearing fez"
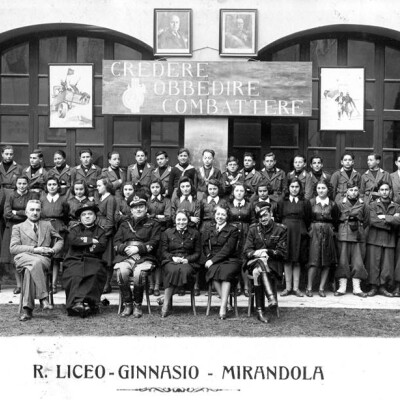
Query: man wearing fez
(135, 243)
(265, 250)
(84, 274)
(33, 243)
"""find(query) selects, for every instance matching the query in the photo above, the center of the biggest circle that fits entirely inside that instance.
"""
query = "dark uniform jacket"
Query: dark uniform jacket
(9, 179)
(109, 173)
(81, 243)
(164, 177)
(306, 181)
(353, 220)
(213, 173)
(64, 177)
(276, 183)
(37, 180)
(220, 246)
(369, 182)
(91, 177)
(272, 237)
(160, 206)
(134, 176)
(251, 181)
(144, 230)
(339, 181)
(175, 244)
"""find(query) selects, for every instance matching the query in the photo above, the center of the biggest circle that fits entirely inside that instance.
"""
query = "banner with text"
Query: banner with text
(207, 88)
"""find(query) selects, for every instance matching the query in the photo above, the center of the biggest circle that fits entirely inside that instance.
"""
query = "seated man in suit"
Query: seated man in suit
(33, 243)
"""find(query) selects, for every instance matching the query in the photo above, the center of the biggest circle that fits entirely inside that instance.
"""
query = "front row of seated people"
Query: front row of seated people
(359, 241)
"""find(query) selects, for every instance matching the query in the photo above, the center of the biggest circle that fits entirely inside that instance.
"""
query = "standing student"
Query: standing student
(114, 174)
(105, 218)
(317, 173)
(251, 177)
(35, 173)
(140, 172)
(123, 211)
(55, 210)
(231, 176)
(299, 171)
(209, 203)
(207, 172)
(295, 212)
(353, 221)
(381, 241)
(79, 197)
(371, 177)
(324, 224)
(61, 171)
(86, 171)
(159, 209)
(9, 169)
(274, 177)
(183, 168)
(14, 213)
(395, 180)
(163, 170)
(343, 176)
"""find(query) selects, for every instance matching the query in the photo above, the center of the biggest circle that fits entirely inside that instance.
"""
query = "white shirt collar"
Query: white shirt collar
(52, 199)
(104, 196)
(159, 197)
(220, 227)
(237, 203)
(209, 199)
(291, 198)
(190, 198)
(322, 202)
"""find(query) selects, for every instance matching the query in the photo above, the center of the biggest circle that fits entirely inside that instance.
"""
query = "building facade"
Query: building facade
(330, 33)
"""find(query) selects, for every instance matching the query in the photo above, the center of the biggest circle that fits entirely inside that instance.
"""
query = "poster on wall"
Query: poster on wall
(172, 32)
(71, 95)
(342, 93)
(238, 33)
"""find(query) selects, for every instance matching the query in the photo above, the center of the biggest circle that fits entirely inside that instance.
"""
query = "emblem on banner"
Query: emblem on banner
(133, 96)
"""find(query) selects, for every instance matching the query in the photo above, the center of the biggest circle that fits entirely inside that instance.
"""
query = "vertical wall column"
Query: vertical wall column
(207, 133)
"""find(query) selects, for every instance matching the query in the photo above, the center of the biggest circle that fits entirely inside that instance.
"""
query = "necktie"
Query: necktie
(35, 228)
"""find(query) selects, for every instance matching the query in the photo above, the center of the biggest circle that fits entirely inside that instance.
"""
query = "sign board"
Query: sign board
(207, 88)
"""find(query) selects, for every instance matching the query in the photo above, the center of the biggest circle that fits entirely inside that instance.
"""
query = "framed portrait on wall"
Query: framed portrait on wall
(172, 32)
(71, 95)
(341, 98)
(238, 32)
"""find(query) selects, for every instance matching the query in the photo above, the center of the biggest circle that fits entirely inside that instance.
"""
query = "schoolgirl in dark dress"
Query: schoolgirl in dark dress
(295, 212)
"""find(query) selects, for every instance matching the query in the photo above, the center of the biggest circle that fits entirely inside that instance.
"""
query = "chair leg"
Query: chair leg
(276, 296)
(21, 296)
(235, 302)
(146, 288)
(119, 301)
(50, 285)
(193, 301)
(209, 299)
(250, 300)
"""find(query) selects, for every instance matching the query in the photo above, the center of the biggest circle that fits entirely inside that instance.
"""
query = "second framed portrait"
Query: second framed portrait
(172, 32)
(238, 33)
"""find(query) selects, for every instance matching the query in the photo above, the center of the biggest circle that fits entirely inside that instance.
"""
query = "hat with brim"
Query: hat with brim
(262, 208)
(86, 207)
(135, 200)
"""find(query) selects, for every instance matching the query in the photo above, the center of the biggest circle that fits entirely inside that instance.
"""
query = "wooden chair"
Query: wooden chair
(232, 298)
(250, 305)
(145, 276)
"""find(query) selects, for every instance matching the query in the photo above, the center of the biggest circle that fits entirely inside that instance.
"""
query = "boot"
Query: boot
(342, 287)
(356, 288)
(126, 299)
(137, 301)
(259, 296)
(269, 292)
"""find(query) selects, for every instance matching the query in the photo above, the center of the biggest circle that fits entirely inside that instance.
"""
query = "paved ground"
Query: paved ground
(331, 301)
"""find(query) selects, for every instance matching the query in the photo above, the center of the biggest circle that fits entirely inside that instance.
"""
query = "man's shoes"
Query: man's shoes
(27, 315)
(17, 290)
(382, 291)
(373, 292)
(137, 310)
(286, 292)
(45, 305)
(156, 292)
(337, 293)
(309, 293)
(196, 291)
(78, 308)
(128, 310)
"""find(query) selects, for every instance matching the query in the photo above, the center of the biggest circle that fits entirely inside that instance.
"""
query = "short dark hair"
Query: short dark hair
(315, 157)
(111, 153)
(7, 147)
(223, 207)
(161, 152)
(212, 152)
(376, 156)
(85, 151)
(38, 152)
(184, 179)
(249, 154)
(184, 150)
(347, 153)
(270, 154)
(61, 153)
(141, 149)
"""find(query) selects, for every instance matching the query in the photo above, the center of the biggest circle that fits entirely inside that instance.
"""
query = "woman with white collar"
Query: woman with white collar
(55, 210)
(241, 214)
(106, 219)
(324, 224)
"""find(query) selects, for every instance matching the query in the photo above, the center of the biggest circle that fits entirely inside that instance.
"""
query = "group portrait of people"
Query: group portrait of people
(179, 228)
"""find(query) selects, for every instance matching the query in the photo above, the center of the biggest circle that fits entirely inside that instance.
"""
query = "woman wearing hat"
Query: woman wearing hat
(84, 270)
(265, 250)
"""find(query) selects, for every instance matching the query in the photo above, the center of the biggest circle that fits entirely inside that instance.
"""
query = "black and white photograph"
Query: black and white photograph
(172, 32)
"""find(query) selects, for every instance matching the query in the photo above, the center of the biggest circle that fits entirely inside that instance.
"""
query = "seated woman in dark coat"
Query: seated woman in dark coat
(84, 270)
(219, 247)
(180, 250)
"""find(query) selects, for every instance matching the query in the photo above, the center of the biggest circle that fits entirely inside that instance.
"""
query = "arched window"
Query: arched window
(24, 95)
(376, 49)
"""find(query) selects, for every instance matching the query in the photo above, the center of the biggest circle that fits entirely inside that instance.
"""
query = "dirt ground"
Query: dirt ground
(293, 322)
